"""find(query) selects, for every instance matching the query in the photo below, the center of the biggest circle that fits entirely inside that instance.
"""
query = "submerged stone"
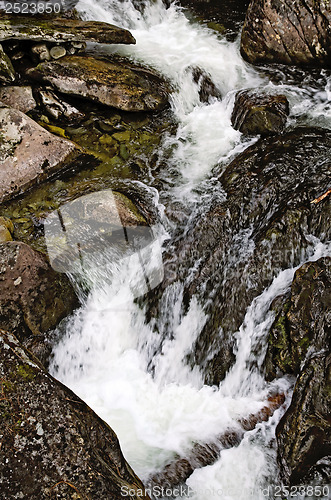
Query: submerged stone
(107, 82)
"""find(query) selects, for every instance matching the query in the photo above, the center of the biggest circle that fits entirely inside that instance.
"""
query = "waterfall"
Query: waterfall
(107, 346)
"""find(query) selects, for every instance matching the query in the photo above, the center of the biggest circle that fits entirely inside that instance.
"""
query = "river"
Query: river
(107, 348)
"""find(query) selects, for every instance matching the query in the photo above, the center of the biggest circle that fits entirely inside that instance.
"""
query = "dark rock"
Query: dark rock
(33, 297)
(7, 72)
(207, 88)
(303, 320)
(303, 434)
(52, 443)
(110, 83)
(57, 108)
(287, 31)
(20, 98)
(61, 30)
(240, 244)
(263, 114)
(30, 154)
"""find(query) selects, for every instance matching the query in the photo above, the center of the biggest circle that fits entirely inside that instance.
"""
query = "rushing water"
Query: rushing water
(107, 347)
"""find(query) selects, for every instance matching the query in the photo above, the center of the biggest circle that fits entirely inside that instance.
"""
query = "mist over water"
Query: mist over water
(106, 351)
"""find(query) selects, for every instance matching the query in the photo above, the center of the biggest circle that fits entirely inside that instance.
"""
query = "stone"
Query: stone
(53, 444)
(40, 53)
(33, 297)
(20, 98)
(207, 88)
(7, 72)
(114, 84)
(61, 30)
(57, 52)
(29, 153)
(287, 31)
(57, 108)
(6, 229)
(301, 321)
(255, 113)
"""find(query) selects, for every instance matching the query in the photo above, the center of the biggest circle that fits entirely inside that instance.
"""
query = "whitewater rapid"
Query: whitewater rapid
(105, 351)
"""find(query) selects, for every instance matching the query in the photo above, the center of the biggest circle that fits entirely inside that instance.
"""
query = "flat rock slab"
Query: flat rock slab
(61, 30)
(28, 153)
(107, 82)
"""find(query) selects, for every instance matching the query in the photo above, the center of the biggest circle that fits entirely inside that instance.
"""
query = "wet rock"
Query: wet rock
(7, 72)
(40, 53)
(20, 98)
(207, 88)
(263, 114)
(33, 297)
(57, 108)
(61, 30)
(303, 434)
(238, 247)
(107, 82)
(57, 52)
(29, 154)
(53, 444)
(302, 321)
(6, 229)
(289, 32)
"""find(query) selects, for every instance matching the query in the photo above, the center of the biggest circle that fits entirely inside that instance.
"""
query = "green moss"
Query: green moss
(26, 372)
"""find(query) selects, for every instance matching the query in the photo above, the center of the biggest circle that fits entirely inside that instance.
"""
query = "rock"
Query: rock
(57, 52)
(110, 83)
(20, 98)
(288, 32)
(303, 434)
(33, 297)
(61, 30)
(239, 245)
(40, 52)
(29, 154)
(7, 72)
(263, 114)
(57, 108)
(300, 324)
(53, 444)
(207, 88)
(6, 229)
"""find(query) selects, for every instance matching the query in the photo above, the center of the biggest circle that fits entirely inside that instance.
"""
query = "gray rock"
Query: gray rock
(288, 31)
(29, 154)
(20, 98)
(33, 297)
(255, 113)
(119, 85)
(52, 443)
(58, 108)
(40, 52)
(7, 72)
(61, 30)
(57, 52)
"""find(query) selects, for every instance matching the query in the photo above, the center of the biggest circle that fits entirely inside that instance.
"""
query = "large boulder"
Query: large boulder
(33, 297)
(257, 113)
(52, 443)
(61, 30)
(107, 82)
(302, 321)
(236, 249)
(288, 31)
(29, 153)
(20, 98)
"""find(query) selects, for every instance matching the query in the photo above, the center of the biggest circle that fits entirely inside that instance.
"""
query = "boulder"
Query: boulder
(29, 153)
(52, 443)
(237, 247)
(302, 320)
(33, 297)
(255, 113)
(108, 82)
(20, 98)
(288, 31)
(61, 30)
(7, 72)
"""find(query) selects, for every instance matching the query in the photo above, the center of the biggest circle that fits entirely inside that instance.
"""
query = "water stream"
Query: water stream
(107, 346)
